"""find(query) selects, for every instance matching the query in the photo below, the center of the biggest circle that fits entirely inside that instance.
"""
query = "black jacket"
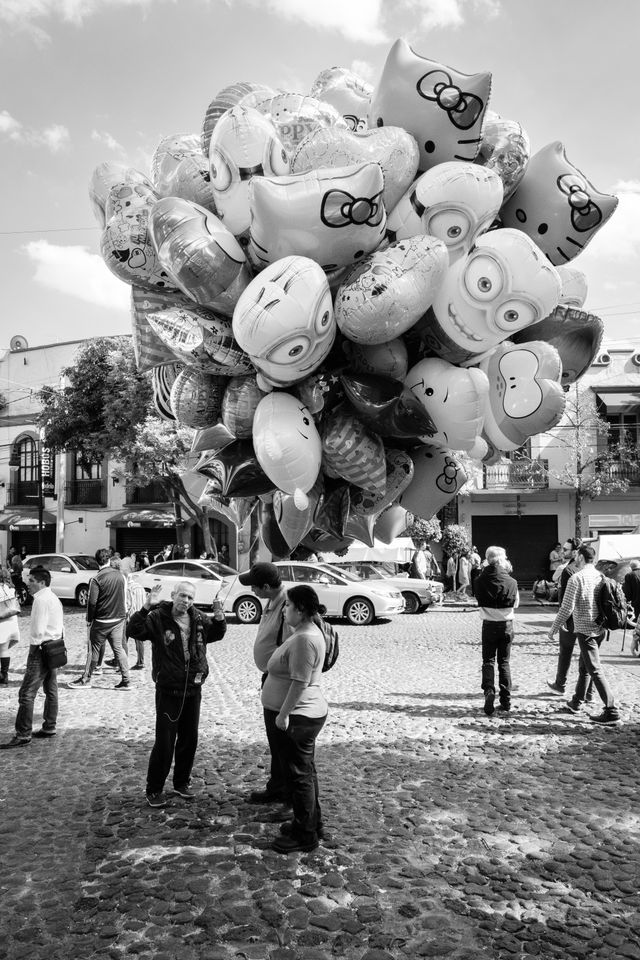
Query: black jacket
(631, 587)
(169, 667)
(493, 587)
(107, 596)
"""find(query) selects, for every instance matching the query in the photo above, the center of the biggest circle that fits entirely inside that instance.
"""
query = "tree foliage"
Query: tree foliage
(455, 540)
(429, 530)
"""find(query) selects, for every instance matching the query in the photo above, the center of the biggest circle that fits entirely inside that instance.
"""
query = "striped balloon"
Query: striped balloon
(353, 453)
(162, 380)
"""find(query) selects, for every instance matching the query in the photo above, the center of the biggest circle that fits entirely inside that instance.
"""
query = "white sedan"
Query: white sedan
(342, 594)
(418, 594)
(206, 576)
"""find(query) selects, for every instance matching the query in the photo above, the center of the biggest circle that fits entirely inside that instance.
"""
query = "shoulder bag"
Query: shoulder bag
(54, 653)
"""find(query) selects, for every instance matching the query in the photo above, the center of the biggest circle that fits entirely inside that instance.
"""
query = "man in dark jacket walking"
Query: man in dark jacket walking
(178, 634)
(631, 587)
(497, 595)
(106, 613)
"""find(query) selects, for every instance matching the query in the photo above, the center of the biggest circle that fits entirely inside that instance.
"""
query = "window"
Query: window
(27, 454)
(58, 565)
(313, 575)
(196, 572)
(168, 570)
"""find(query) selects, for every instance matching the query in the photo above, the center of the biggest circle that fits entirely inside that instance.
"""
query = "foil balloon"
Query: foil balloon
(163, 378)
(244, 144)
(320, 391)
(385, 294)
(351, 452)
(270, 532)
(525, 395)
(438, 477)
(391, 523)
(504, 149)
(128, 251)
(129, 200)
(211, 440)
(576, 336)
(236, 472)
(395, 150)
(502, 286)
(557, 206)
(386, 406)
(287, 444)
(455, 202)
(574, 287)
(239, 404)
(318, 541)
(360, 527)
(441, 108)
(295, 116)
(107, 175)
(454, 398)
(196, 249)
(149, 349)
(399, 475)
(388, 359)
(191, 181)
(333, 511)
(196, 398)
(332, 216)
(201, 339)
(295, 523)
(284, 320)
(168, 154)
(228, 97)
(347, 92)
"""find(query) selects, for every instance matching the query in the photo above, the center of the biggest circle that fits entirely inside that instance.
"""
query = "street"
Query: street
(449, 833)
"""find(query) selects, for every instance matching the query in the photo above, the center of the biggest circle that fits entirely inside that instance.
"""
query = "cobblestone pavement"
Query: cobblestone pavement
(450, 834)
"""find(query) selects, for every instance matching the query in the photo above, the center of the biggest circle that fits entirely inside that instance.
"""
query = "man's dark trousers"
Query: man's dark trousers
(497, 636)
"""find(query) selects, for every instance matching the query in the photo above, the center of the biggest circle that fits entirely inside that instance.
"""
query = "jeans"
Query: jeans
(567, 641)
(36, 675)
(590, 668)
(296, 749)
(177, 722)
(278, 782)
(99, 633)
(496, 640)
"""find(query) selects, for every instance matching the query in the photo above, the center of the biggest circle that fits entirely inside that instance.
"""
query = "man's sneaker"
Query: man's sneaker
(44, 734)
(97, 670)
(292, 845)
(489, 700)
(606, 719)
(123, 685)
(185, 793)
(15, 742)
(80, 684)
(110, 663)
(569, 708)
(265, 796)
(156, 800)
(286, 829)
(505, 708)
(138, 666)
(553, 686)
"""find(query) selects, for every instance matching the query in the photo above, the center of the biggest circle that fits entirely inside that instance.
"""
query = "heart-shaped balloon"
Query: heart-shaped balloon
(354, 454)
(387, 406)
(399, 476)
(576, 335)
(295, 116)
(236, 471)
(391, 523)
(360, 527)
(128, 200)
(437, 478)
(395, 150)
(383, 359)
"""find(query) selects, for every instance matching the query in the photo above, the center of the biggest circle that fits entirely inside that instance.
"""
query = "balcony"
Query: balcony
(516, 475)
(85, 493)
(623, 472)
(23, 494)
(151, 493)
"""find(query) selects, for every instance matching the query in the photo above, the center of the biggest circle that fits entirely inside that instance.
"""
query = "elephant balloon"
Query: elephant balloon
(454, 399)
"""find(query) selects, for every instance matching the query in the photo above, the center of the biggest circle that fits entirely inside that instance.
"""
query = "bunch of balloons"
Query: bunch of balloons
(342, 291)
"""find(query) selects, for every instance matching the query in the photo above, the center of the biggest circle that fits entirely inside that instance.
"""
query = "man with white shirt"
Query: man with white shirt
(46, 624)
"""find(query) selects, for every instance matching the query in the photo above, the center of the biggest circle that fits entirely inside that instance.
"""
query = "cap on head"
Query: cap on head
(261, 575)
(635, 564)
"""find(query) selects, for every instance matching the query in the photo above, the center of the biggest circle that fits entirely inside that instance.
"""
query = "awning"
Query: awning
(619, 401)
(26, 521)
(142, 518)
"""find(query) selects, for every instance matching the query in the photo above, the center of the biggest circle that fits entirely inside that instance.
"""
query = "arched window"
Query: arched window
(27, 456)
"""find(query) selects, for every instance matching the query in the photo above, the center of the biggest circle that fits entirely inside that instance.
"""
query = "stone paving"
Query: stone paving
(450, 834)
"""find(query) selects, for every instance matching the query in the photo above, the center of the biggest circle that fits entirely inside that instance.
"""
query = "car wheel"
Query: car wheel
(247, 610)
(411, 602)
(82, 595)
(359, 612)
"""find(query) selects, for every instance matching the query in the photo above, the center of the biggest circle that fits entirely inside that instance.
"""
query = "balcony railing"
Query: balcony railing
(152, 493)
(23, 494)
(516, 475)
(89, 492)
(625, 472)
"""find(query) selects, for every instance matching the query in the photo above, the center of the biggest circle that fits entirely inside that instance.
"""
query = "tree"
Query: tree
(428, 530)
(104, 409)
(455, 540)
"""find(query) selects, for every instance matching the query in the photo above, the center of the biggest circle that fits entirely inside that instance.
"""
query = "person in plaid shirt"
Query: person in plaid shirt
(580, 602)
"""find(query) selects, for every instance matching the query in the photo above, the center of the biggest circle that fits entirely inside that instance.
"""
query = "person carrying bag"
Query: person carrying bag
(9, 630)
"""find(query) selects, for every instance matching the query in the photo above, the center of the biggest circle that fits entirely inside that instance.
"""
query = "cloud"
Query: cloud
(9, 126)
(364, 70)
(76, 272)
(102, 136)
(356, 19)
(54, 137)
(619, 239)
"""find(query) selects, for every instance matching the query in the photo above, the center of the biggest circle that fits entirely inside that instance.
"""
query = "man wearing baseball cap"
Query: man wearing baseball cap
(264, 580)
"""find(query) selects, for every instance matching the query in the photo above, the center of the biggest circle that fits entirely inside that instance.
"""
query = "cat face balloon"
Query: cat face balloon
(504, 285)
(557, 206)
(335, 217)
(442, 108)
(455, 202)
(284, 320)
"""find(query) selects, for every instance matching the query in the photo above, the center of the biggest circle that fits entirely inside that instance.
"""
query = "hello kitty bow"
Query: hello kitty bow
(463, 109)
(339, 209)
(585, 214)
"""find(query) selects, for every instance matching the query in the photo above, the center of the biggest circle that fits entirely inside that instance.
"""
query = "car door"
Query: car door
(63, 575)
(324, 583)
(167, 575)
(205, 582)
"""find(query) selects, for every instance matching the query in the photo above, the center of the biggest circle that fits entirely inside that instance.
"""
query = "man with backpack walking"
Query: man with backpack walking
(582, 601)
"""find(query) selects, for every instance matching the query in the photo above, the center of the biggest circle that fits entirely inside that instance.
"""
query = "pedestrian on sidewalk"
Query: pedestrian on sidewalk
(9, 629)
(106, 613)
(497, 595)
(264, 580)
(178, 634)
(136, 598)
(46, 624)
(567, 637)
(581, 601)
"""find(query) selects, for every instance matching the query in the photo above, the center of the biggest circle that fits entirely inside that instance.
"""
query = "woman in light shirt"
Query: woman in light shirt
(292, 691)
(9, 630)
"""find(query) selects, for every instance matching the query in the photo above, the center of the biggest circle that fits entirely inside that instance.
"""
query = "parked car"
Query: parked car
(615, 569)
(343, 594)
(71, 573)
(206, 576)
(418, 594)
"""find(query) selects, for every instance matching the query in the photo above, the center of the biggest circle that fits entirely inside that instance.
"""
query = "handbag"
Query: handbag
(54, 653)
(9, 604)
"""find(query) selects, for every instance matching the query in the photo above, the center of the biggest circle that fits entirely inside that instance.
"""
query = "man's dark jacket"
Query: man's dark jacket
(493, 587)
(107, 596)
(631, 587)
(169, 668)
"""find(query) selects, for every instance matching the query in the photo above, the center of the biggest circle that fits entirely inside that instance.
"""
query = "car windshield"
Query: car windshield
(85, 563)
(337, 571)
(220, 568)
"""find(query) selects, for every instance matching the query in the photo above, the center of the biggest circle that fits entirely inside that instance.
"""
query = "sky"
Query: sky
(84, 81)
